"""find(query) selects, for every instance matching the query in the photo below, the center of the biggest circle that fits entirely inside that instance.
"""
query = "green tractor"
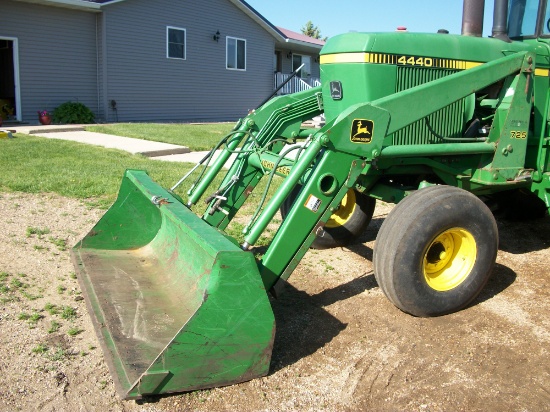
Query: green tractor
(442, 125)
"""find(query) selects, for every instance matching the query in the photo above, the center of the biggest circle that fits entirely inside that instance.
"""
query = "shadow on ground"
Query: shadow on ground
(519, 237)
(304, 326)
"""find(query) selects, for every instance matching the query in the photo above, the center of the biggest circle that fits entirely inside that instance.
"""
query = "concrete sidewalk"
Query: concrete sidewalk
(78, 134)
(154, 150)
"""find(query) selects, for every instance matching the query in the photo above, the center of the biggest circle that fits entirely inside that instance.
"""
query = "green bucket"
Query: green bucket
(176, 304)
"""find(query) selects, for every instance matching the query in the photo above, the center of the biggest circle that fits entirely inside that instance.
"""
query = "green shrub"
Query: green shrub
(72, 113)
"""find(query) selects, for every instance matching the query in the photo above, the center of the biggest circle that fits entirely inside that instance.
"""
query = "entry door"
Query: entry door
(277, 62)
(298, 60)
(10, 107)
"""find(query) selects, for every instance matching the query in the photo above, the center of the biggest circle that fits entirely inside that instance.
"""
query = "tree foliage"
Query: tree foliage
(310, 30)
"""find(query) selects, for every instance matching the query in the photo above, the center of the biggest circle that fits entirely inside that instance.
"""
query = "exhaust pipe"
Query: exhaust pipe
(500, 16)
(472, 18)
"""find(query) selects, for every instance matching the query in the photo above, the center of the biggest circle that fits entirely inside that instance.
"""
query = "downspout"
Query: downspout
(97, 62)
(103, 65)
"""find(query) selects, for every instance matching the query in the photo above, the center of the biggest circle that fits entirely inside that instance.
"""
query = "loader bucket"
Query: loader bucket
(176, 304)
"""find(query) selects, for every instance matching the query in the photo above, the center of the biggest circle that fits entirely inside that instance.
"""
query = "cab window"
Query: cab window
(522, 18)
(546, 22)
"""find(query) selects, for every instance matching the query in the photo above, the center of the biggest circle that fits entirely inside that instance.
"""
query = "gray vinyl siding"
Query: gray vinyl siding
(57, 55)
(150, 87)
(119, 54)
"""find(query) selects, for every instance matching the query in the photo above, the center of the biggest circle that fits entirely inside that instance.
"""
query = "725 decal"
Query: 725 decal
(516, 134)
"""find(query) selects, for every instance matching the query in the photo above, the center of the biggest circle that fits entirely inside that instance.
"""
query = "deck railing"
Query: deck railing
(297, 84)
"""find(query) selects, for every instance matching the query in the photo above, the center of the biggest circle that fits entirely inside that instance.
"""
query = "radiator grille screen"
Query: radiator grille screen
(447, 122)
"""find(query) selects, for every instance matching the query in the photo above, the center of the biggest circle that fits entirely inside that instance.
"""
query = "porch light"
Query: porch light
(217, 36)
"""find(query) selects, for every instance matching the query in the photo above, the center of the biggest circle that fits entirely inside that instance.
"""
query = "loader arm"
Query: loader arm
(333, 161)
(337, 166)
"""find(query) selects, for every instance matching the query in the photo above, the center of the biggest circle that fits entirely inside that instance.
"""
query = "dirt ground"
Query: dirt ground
(340, 344)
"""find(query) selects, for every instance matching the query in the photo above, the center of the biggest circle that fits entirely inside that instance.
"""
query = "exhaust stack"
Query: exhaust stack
(500, 21)
(472, 18)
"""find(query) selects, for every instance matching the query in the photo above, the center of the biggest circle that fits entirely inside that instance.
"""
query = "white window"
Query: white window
(175, 43)
(235, 53)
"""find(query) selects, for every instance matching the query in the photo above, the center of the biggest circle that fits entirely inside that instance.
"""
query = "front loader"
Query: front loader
(442, 125)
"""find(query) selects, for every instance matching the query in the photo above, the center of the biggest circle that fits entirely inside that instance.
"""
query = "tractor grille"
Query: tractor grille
(447, 122)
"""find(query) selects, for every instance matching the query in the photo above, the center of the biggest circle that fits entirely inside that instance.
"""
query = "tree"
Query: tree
(313, 31)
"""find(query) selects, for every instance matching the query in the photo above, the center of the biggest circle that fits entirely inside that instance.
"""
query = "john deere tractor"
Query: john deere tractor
(440, 124)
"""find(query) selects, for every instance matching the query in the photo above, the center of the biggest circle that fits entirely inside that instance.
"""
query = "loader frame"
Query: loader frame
(477, 165)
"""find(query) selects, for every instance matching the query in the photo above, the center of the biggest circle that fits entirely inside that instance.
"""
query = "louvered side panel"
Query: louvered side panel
(447, 122)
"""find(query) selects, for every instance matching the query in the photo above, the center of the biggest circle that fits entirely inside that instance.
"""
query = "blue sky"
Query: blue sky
(342, 16)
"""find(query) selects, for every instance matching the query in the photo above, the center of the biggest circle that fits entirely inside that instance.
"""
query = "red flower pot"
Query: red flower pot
(45, 120)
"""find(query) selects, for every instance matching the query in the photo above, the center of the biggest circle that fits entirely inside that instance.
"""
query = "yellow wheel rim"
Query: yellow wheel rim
(344, 212)
(449, 259)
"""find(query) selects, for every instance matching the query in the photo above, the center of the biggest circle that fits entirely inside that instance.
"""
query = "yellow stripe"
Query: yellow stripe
(388, 58)
(345, 58)
(471, 65)
(382, 58)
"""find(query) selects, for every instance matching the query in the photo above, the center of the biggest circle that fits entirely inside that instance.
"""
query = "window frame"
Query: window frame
(168, 28)
(237, 39)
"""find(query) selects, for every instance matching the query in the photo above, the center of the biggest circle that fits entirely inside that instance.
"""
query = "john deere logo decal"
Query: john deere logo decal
(336, 90)
(361, 131)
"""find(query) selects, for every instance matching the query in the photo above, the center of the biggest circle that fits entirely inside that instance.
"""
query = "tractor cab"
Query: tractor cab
(528, 19)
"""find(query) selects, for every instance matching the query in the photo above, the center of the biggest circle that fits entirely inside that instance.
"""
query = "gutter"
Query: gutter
(68, 4)
(73, 4)
(110, 2)
(302, 43)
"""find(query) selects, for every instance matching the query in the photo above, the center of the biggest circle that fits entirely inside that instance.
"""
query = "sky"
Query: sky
(336, 17)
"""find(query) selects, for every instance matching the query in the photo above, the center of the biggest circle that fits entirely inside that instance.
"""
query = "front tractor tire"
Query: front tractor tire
(348, 222)
(435, 251)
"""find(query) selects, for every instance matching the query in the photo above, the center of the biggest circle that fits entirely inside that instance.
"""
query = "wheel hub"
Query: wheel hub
(344, 212)
(449, 259)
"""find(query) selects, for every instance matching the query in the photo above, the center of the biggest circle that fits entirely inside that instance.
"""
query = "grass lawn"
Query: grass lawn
(35, 165)
(38, 165)
(195, 136)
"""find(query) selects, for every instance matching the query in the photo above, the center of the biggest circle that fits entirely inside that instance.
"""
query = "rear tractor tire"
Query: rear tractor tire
(435, 251)
(347, 223)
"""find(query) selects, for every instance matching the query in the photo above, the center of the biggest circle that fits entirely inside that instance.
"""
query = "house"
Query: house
(144, 60)
(290, 55)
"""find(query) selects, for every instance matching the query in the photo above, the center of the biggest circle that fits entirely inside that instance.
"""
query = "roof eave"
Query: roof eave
(280, 37)
(258, 18)
(111, 2)
(301, 46)
(304, 43)
(68, 4)
(73, 4)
